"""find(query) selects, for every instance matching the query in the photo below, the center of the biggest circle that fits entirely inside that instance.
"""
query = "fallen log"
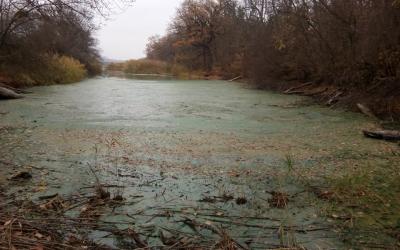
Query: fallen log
(6, 93)
(16, 90)
(390, 135)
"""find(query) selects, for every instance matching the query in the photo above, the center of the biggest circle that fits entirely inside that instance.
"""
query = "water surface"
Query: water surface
(174, 144)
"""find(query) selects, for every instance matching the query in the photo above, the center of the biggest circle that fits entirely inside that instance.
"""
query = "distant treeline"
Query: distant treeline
(46, 41)
(153, 67)
(339, 42)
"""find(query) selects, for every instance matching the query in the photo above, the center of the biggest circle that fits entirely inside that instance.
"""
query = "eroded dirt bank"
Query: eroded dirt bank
(382, 98)
(186, 164)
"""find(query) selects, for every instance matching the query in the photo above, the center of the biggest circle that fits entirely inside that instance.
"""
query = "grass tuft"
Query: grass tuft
(367, 199)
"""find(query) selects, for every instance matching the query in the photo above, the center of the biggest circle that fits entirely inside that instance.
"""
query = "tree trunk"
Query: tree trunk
(390, 135)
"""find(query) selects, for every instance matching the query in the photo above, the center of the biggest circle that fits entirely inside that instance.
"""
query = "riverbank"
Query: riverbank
(51, 69)
(155, 68)
(383, 100)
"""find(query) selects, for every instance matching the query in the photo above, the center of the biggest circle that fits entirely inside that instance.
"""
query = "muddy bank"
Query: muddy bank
(382, 99)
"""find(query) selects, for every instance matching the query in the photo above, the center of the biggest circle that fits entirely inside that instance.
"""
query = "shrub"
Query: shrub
(115, 67)
(145, 66)
(51, 69)
(149, 66)
(64, 69)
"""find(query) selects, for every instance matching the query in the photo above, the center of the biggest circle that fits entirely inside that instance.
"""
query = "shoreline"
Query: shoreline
(384, 103)
(384, 109)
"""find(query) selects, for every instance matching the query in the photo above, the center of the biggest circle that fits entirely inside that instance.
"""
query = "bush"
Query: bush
(66, 70)
(52, 69)
(149, 66)
(115, 67)
(145, 66)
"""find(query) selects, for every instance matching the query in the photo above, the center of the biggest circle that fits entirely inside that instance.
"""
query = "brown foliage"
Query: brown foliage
(343, 42)
(31, 31)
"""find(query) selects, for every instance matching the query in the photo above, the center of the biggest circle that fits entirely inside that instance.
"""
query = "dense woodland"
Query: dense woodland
(132, 164)
(342, 43)
(45, 41)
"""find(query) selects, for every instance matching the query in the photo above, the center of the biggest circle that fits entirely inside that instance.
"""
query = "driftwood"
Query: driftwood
(16, 90)
(293, 90)
(366, 111)
(6, 93)
(316, 92)
(390, 135)
(234, 79)
(334, 98)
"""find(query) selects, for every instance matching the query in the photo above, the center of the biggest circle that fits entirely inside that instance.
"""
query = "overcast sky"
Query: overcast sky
(125, 35)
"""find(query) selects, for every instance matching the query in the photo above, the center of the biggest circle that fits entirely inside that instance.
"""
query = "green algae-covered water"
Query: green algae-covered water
(177, 147)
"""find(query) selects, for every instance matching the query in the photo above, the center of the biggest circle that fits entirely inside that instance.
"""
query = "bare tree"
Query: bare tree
(16, 15)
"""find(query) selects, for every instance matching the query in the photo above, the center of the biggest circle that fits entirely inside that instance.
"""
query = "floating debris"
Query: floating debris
(278, 199)
(241, 200)
(23, 175)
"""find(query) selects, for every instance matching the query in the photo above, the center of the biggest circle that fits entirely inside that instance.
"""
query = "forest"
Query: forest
(47, 42)
(235, 131)
(347, 50)
(341, 52)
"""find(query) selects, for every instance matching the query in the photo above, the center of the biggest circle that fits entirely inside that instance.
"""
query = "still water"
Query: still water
(174, 145)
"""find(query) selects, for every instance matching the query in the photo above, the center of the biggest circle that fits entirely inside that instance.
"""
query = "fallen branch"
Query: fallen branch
(366, 111)
(292, 89)
(334, 99)
(390, 135)
(47, 197)
(135, 236)
(234, 79)
(316, 92)
(214, 229)
(6, 93)
(16, 90)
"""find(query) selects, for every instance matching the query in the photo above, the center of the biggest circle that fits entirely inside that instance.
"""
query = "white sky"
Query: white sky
(125, 35)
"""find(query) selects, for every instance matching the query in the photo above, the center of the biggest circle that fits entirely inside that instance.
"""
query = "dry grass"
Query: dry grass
(54, 69)
(365, 200)
(153, 67)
